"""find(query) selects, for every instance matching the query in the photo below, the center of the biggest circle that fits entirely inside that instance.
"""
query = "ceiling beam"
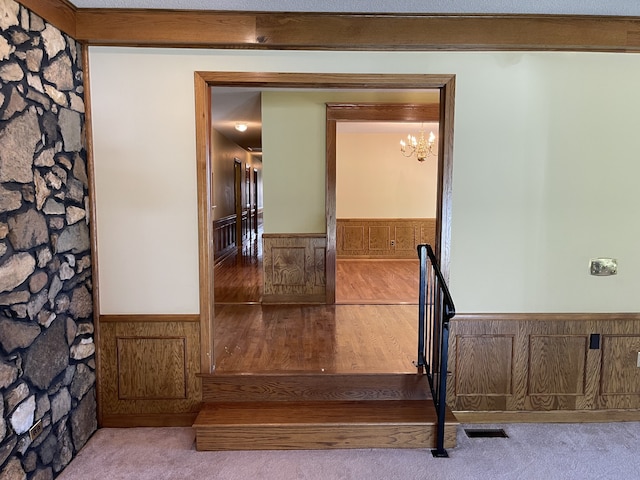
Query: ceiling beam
(314, 31)
(173, 28)
(357, 32)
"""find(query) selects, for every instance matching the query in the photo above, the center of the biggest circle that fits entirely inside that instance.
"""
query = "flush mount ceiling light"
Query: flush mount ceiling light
(241, 127)
(420, 147)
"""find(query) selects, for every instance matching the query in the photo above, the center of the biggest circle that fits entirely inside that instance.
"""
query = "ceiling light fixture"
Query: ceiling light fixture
(419, 147)
(241, 127)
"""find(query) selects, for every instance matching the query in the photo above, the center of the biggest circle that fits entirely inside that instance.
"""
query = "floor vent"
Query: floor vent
(485, 433)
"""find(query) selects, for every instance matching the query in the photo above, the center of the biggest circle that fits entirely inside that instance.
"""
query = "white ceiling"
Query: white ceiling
(557, 7)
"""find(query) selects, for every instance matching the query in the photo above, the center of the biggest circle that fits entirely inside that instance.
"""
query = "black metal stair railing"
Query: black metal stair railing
(435, 309)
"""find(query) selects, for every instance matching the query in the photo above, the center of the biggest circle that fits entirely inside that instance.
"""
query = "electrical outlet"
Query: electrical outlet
(36, 430)
(638, 361)
(393, 243)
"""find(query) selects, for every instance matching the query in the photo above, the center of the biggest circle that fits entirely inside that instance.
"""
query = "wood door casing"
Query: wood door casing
(441, 112)
(237, 193)
(203, 81)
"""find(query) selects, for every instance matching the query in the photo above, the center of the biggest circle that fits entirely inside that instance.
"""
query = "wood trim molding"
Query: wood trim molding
(559, 317)
(149, 318)
(59, 13)
(93, 223)
(386, 112)
(203, 82)
(172, 28)
(361, 81)
(553, 416)
(205, 219)
(149, 420)
(445, 175)
(443, 113)
(316, 31)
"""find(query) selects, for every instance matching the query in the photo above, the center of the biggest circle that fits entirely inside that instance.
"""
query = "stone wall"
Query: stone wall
(47, 369)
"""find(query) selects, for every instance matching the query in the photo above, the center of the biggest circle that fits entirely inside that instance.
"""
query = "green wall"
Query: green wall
(543, 173)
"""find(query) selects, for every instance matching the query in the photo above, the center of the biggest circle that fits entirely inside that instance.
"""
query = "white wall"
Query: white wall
(374, 179)
(545, 167)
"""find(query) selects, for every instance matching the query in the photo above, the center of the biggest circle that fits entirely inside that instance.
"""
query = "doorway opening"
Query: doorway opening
(385, 202)
(203, 83)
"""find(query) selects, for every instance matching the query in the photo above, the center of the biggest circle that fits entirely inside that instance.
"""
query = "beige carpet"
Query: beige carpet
(532, 451)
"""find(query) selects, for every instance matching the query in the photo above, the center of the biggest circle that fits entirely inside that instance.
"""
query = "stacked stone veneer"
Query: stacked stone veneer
(47, 369)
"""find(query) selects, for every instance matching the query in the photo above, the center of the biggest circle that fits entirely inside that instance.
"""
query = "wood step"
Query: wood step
(313, 387)
(286, 425)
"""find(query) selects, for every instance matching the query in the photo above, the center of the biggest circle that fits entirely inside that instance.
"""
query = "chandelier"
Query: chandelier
(419, 147)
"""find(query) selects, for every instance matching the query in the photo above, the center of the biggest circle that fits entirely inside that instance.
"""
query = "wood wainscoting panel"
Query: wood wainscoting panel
(379, 238)
(484, 364)
(352, 239)
(319, 267)
(383, 237)
(288, 267)
(149, 367)
(152, 368)
(620, 372)
(407, 238)
(224, 238)
(557, 364)
(294, 268)
(561, 364)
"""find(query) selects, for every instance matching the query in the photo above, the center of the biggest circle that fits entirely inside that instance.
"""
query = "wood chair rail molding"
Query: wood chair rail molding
(314, 31)
(546, 316)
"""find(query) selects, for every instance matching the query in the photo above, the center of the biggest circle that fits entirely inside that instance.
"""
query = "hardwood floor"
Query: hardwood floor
(315, 338)
(239, 278)
(377, 281)
(372, 329)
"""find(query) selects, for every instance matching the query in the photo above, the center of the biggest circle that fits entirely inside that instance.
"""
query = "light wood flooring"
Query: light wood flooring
(371, 329)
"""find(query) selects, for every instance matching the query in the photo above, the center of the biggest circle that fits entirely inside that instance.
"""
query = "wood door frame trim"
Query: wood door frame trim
(203, 81)
(237, 200)
(394, 112)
